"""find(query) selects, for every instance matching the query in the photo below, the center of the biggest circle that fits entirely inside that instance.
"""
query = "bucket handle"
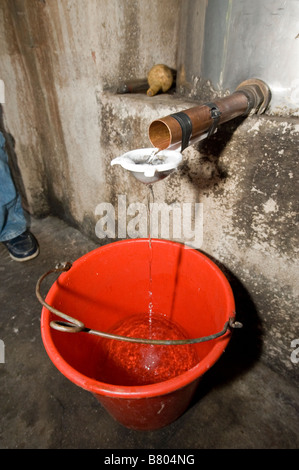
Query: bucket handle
(72, 325)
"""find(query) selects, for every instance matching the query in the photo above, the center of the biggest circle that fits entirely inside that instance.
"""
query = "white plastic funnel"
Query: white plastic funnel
(148, 165)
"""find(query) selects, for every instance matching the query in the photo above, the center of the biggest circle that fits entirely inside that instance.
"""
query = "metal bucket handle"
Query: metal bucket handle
(72, 325)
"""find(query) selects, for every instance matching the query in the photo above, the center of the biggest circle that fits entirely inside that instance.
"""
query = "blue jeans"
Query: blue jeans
(12, 219)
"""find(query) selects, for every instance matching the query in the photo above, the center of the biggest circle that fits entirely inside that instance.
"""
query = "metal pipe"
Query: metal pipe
(251, 96)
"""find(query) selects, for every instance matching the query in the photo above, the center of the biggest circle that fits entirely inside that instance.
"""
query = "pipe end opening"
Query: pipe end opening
(159, 135)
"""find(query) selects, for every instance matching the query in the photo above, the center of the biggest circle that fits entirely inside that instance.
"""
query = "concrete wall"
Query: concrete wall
(54, 56)
(60, 61)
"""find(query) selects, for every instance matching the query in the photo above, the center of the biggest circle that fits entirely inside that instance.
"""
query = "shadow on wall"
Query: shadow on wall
(205, 171)
(245, 346)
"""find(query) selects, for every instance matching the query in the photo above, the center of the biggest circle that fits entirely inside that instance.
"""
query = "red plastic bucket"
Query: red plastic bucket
(110, 284)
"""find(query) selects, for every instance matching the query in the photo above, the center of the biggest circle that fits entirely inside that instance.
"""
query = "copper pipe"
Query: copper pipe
(251, 96)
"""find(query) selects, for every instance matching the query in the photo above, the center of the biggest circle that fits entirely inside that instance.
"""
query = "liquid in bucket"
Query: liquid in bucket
(130, 364)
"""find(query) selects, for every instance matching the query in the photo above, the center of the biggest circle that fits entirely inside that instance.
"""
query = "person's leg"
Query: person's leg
(12, 220)
(13, 234)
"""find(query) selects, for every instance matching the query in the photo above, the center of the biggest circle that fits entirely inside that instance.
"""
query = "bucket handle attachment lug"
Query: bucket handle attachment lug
(72, 325)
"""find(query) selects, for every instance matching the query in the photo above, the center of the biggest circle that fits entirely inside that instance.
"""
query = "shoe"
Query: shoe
(22, 248)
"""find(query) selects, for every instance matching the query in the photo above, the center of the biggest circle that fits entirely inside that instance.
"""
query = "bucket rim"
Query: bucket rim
(139, 391)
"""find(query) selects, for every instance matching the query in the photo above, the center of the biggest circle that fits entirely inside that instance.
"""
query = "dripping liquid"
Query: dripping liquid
(150, 290)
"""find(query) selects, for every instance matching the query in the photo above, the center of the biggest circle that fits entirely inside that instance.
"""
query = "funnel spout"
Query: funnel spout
(148, 166)
(251, 96)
